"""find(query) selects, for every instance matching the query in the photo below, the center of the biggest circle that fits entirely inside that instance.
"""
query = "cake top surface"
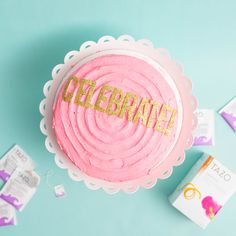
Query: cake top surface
(117, 117)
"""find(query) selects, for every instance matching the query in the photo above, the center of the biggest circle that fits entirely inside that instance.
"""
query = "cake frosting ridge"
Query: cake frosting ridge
(105, 139)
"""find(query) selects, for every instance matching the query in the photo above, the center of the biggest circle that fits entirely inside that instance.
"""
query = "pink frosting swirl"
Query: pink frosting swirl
(108, 147)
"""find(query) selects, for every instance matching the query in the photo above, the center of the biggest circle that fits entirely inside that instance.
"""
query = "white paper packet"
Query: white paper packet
(14, 158)
(228, 112)
(204, 133)
(20, 188)
(7, 214)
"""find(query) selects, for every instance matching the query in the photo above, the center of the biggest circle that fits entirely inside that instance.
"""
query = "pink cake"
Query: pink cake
(117, 117)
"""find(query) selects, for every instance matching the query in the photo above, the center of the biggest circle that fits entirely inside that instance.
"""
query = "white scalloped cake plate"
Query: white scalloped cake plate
(158, 58)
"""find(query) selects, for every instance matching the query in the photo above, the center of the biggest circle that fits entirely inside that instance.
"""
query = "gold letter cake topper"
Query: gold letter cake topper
(152, 114)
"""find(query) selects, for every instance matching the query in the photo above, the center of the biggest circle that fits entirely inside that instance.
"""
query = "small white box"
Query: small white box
(59, 190)
(204, 190)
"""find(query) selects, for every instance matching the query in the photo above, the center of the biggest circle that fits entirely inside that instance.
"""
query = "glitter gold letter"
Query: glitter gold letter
(171, 122)
(153, 113)
(82, 92)
(101, 97)
(129, 107)
(142, 111)
(116, 99)
(163, 119)
(90, 94)
(67, 97)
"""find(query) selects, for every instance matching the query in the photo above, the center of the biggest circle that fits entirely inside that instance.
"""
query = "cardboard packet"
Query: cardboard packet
(14, 158)
(228, 112)
(20, 188)
(7, 214)
(204, 190)
(204, 133)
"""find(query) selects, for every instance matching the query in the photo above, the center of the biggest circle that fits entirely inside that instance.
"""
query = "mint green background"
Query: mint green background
(35, 36)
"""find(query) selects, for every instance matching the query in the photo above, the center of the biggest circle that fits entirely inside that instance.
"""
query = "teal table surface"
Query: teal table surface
(35, 36)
